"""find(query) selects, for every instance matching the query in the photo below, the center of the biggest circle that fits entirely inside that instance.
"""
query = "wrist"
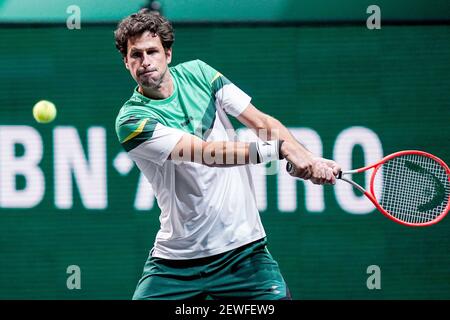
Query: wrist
(285, 149)
(290, 149)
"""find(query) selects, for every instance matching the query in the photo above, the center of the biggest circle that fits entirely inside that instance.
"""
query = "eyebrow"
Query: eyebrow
(134, 49)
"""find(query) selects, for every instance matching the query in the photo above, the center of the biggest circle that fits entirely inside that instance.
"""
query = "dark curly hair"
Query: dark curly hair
(138, 23)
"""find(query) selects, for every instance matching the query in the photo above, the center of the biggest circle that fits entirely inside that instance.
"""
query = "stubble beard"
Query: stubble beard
(151, 84)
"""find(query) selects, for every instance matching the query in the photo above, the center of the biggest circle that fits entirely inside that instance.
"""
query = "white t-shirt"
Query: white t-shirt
(204, 210)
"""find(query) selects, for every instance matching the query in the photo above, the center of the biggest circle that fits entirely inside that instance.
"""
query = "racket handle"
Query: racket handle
(290, 167)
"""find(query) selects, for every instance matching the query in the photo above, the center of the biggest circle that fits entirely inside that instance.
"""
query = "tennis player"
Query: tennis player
(175, 127)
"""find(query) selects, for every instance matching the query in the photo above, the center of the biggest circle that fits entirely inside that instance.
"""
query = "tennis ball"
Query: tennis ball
(44, 111)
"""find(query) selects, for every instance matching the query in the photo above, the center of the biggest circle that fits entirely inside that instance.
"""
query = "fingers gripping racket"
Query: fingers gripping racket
(409, 187)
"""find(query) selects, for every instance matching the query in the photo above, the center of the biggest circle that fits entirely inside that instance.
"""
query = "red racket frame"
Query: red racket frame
(376, 166)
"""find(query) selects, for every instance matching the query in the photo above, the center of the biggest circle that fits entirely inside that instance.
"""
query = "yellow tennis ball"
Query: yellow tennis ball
(44, 111)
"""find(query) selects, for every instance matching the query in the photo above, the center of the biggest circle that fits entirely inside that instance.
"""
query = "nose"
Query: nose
(146, 61)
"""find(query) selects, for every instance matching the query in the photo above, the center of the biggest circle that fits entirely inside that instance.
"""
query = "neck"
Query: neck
(162, 91)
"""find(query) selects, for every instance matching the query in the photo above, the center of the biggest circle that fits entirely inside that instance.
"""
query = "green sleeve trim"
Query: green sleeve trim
(218, 83)
(134, 132)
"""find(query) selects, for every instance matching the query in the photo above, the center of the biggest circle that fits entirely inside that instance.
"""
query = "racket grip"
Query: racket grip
(290, 167)
(339, 175)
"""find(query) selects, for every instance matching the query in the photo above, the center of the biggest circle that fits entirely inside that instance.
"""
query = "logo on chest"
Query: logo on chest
(187, 121)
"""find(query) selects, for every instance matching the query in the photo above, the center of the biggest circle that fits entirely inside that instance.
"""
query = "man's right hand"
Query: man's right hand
(309, 167)
(325, 171)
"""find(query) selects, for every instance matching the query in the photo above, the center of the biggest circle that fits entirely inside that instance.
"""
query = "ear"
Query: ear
(125, 61)
(169, 55)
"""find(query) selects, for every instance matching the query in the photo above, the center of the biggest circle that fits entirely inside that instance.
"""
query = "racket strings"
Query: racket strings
(414, 188)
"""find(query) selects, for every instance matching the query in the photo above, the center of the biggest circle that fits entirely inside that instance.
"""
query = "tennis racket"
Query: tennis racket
(409, 187)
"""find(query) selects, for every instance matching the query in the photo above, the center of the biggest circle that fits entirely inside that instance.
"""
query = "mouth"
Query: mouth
(148, 72)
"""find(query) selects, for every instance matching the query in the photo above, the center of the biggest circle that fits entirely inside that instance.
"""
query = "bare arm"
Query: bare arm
(214, 153)
(307, 165)
(267, 127)
(227, 153)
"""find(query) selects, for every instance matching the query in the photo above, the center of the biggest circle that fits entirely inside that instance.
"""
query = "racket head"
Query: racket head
(411, 188)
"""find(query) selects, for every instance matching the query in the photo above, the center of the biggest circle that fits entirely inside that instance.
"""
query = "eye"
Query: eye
(135, 55)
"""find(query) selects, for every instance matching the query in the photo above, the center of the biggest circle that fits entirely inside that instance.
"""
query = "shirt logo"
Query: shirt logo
(187, 121)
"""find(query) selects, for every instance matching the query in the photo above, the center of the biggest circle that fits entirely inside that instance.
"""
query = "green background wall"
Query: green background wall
(394, 81)
(226, 10)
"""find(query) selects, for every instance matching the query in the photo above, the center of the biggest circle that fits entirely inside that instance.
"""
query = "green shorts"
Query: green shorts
(248, 272)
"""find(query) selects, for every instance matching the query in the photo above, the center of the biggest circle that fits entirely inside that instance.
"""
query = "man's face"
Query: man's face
(147, 60)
